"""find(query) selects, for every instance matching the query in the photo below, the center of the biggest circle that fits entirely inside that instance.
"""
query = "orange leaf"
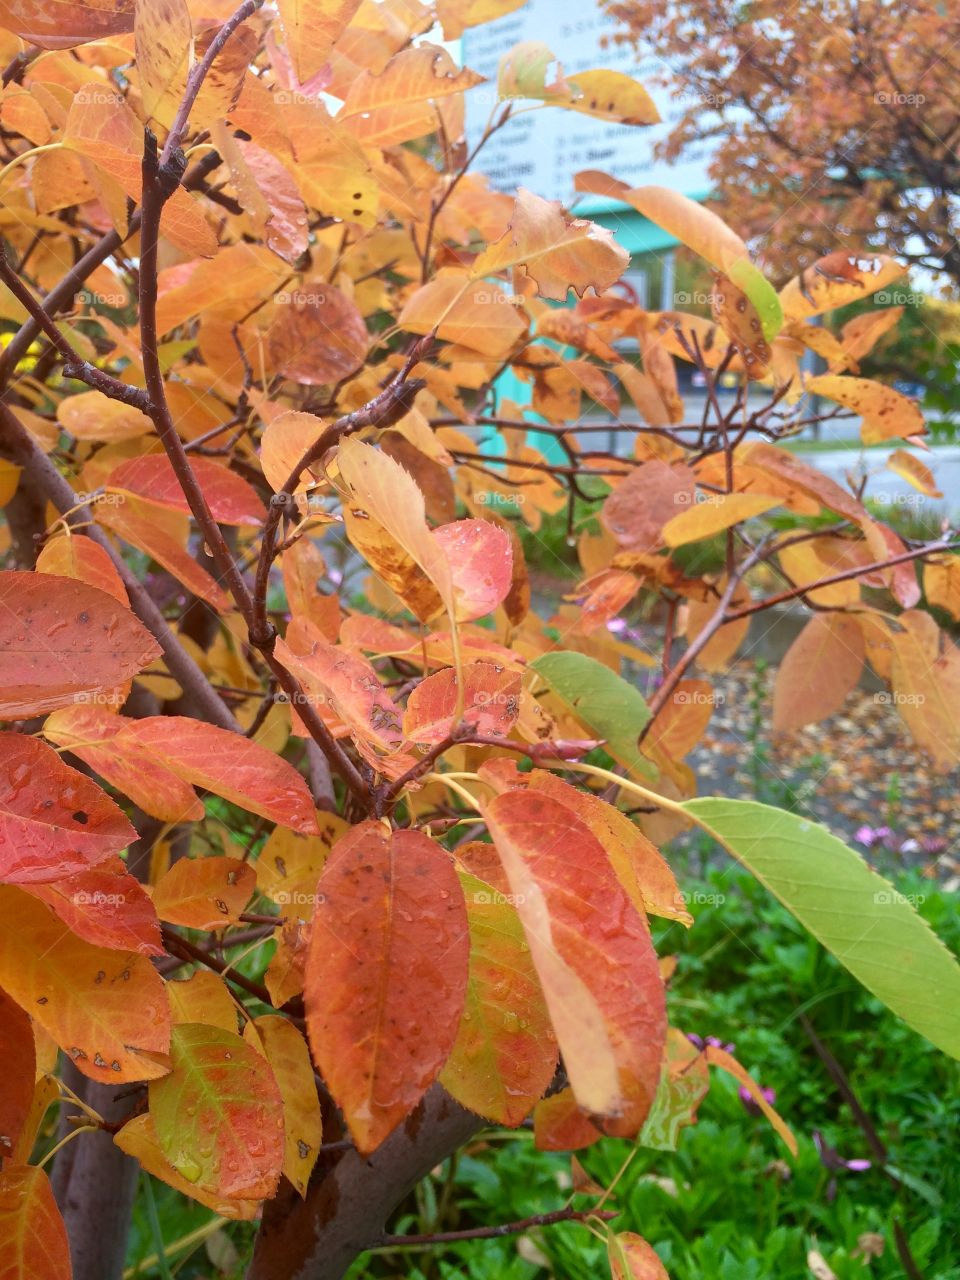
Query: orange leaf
(71, 23)
(204, 893)
(284, 1048)
(106, 906)
(638, 510)
(712, 513)
(885, 413)
(90, 733)
(33, 1238)
(54, 821)
(68, 556)
(229, 765)
(505, 1053)
(60, 638)
(915, 472)
(151, 477)
(218, 1115)
(818, 671)
(311, 28)
(835, 280)
(557, 252)
(593, 953)
(631, 1258)
(138, 1138)
(106, 1009)
(318, 335)
(560, 1125)
(720, 1058)
(134, 524)
(386, 974)
(491, 703)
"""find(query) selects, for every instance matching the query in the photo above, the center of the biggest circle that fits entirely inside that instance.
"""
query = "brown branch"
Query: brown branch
(931, 548)
(504, 1228)
(25, 451)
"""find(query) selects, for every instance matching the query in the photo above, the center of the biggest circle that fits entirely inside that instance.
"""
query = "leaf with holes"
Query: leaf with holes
(204, 893)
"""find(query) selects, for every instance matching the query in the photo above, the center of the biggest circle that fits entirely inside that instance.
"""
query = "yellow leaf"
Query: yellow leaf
(312, 27)
(835, 280)
(557, 252)
(164, 47)
(915, 472)
(885, 412)
(714, 512)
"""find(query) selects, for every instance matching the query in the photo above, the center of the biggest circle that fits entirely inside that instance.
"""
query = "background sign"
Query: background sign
(543, 149)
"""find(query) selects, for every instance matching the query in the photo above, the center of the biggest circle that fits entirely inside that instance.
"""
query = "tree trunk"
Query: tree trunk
(95, 1185)
(346, 1210)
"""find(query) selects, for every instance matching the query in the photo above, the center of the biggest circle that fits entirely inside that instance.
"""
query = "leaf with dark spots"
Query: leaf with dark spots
(60, 639)
(54, 821)
(107, 1009)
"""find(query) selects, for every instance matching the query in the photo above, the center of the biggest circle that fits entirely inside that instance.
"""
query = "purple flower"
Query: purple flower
(749, 1102)
(832, 1159)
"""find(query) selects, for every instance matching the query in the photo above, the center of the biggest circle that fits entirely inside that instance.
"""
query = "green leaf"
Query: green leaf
(602, 700)
(871, 928)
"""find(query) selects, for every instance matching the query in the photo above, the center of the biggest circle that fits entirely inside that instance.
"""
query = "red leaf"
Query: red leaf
(19, 1058)
(106, 906)
(481, 564)
(386, 974)
(54, 822)
(491, 703)
(593, 953)
(90, 733)
(152, 478)
(60, 638)
(33, 1238)
(228, 765)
